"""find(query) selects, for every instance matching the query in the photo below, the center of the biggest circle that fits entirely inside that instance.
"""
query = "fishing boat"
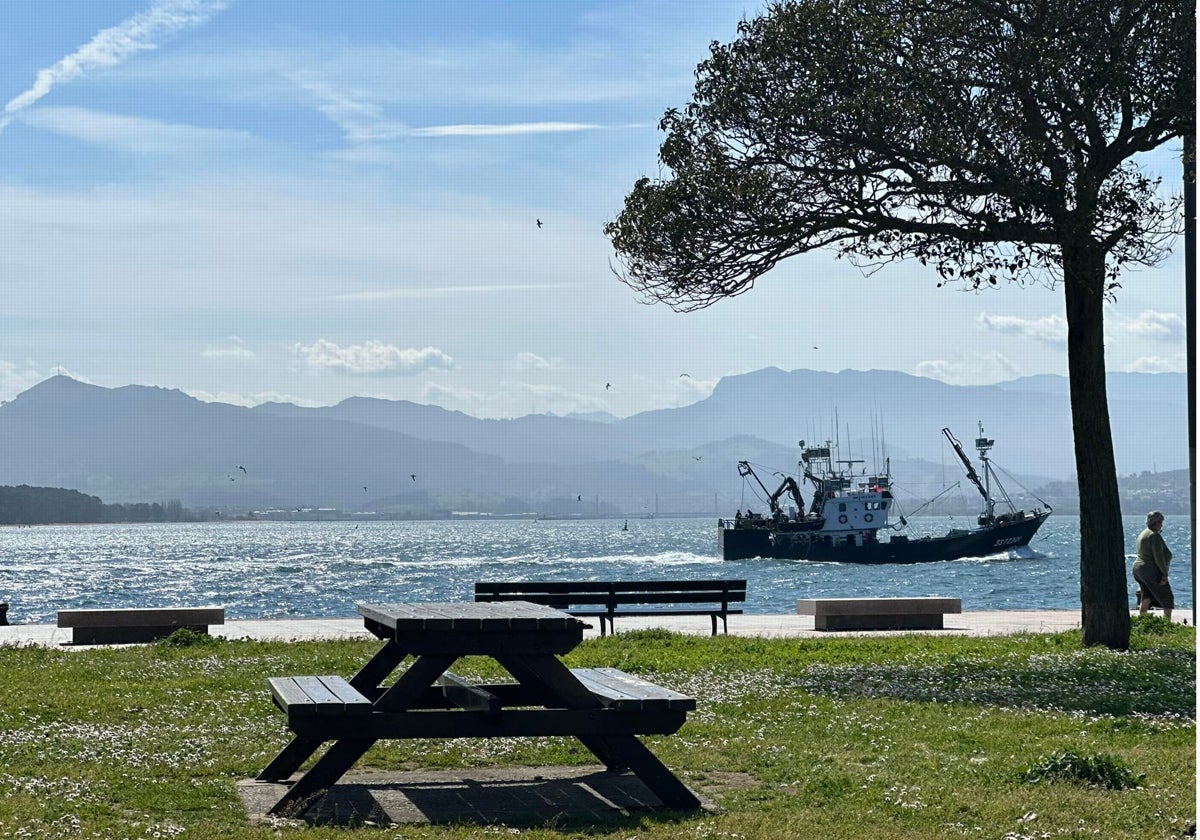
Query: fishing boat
(848, 519)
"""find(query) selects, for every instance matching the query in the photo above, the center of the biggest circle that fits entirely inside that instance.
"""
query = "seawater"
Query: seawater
(324, 569)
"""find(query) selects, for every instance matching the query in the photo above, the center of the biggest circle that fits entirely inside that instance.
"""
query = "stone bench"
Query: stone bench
(122, 626)
(878, 613)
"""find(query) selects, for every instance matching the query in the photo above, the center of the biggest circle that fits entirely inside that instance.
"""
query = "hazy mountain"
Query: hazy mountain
(141, 443)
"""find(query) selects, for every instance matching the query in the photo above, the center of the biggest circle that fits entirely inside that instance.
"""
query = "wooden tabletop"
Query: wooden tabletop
(469, 616)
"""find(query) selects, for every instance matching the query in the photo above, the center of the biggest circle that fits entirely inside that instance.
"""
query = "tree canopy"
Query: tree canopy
(995, 140)
(973, 135)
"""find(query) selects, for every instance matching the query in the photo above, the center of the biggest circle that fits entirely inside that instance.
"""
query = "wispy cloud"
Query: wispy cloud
(501, 129)
(531, 361)
(1050, 330)
(1163, 326)
(969, 369)
(1159, 364)
(447, 291)
(110, 47)
(249, 400)
(235, 349)
(374, 358)
(137, 134)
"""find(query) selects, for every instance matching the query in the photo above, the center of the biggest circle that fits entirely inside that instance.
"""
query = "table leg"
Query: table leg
(299, 750)
(343, 754)
(385, 660)
(330, 767)
(635, 755)
(616, 752)
(289, 759)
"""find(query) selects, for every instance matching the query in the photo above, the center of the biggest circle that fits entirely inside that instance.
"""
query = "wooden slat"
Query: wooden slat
(327, 695)
(287, 694)
(625, 692)
(467, 696)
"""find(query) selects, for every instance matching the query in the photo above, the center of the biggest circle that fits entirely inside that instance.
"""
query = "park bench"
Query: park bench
(120, 626)
(606, 600)
(878, 613)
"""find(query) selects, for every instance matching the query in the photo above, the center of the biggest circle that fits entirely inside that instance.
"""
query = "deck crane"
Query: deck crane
(789, 484)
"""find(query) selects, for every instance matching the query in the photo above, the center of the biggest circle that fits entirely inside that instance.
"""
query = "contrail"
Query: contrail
(109, 47)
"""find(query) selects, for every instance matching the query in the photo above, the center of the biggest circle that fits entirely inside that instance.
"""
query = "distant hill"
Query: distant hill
(137, 443)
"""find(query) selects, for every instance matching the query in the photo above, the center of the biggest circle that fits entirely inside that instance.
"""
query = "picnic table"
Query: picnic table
(604, 708)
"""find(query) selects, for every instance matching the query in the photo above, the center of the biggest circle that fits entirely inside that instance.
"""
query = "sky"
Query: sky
(252, 201)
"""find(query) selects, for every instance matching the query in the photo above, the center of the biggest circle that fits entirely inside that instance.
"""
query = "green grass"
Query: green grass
(1011, 737)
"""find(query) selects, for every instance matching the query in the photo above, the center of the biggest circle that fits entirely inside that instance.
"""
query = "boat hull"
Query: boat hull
(735, 542)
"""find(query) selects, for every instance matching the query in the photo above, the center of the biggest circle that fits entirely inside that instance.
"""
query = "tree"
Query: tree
(991, 139)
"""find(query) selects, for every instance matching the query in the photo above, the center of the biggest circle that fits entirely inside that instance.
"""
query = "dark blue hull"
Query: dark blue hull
(737, 542)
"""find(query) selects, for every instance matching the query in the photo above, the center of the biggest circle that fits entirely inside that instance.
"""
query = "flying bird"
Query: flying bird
(413, 476)
(607, 386)
(697, 457)
(579, 498)
(364, 488)
(539, 221)
(243, 469)
(682, 375)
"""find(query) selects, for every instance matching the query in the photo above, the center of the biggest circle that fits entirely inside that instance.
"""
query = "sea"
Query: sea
(259, 570)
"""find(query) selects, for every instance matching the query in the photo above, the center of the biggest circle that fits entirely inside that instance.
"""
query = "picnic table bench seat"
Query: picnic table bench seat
(311, 697)
(606, 600)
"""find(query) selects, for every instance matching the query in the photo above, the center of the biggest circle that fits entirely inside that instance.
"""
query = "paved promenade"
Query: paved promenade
(992, 623)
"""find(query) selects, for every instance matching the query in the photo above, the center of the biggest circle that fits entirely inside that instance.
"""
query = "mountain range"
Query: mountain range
(138, 443)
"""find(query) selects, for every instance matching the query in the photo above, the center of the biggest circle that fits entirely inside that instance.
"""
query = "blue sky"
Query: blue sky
(306, 201)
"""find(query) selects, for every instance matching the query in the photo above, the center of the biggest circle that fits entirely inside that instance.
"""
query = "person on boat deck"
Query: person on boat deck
(1151, 568)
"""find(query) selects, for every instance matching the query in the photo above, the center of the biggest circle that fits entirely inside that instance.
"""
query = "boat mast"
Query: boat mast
(983, 445)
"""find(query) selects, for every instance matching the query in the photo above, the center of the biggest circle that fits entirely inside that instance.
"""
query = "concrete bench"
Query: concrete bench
(121, 626)
(878, 613)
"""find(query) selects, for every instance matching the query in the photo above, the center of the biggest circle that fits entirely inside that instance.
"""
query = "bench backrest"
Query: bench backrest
(611, 594)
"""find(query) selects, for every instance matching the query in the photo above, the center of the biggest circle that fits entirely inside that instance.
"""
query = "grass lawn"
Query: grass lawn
(1008, 738)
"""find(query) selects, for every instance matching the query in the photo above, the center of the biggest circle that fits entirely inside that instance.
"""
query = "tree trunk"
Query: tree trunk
(1103, 588)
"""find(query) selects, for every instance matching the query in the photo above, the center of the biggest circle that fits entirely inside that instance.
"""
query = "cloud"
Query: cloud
(500, 130)
(1159, 364)
(249, 400)
(1051, 330)
(1163, 326)
(970, 369)
(236, 349)
(16, 378)
(374, 358)
(446, 291)
(531, 361)
(110, 47)
(138, 134)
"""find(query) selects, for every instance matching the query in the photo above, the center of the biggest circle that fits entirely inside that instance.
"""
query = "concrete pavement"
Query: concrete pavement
(984, 623)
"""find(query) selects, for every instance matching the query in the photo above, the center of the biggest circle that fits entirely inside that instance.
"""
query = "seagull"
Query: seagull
(682, 375)
(243, 469)
(579, 498)
(413, 476)
(607, 386)
(697, 457)
(364, 488)
(539, 221)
